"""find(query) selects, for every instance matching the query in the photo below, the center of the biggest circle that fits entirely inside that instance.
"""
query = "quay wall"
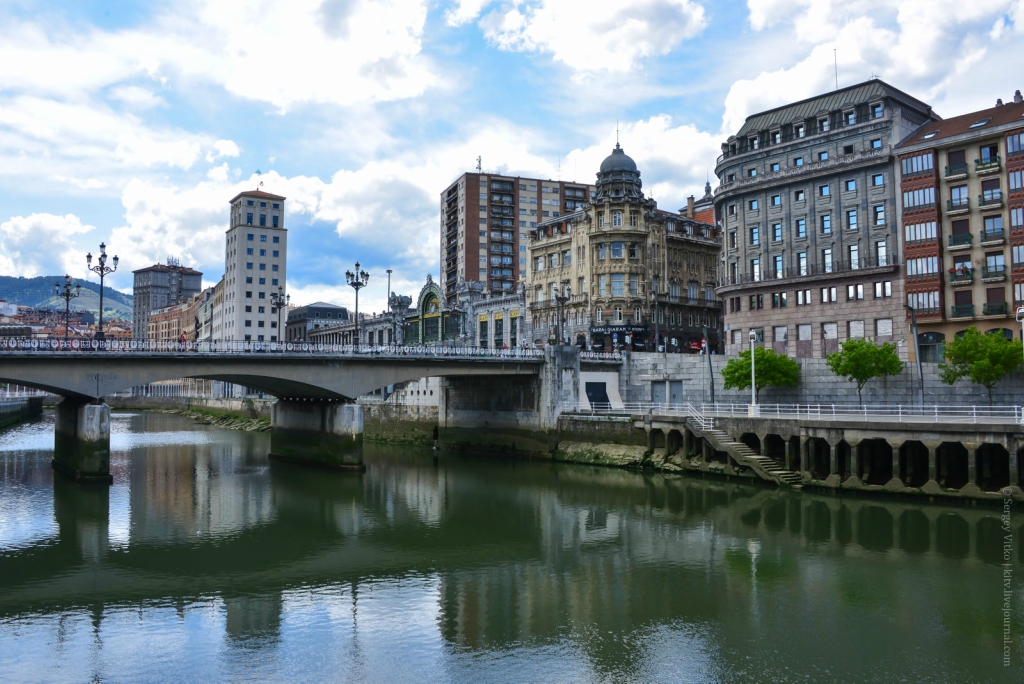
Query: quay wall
(238, 408)
(14, 411)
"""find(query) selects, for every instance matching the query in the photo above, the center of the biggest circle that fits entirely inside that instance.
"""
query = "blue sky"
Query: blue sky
(133, 123)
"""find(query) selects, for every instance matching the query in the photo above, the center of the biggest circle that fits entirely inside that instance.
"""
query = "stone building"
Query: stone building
(159, 286)
(627, 271)
(962, 220)
(303, 320)
(807, 203)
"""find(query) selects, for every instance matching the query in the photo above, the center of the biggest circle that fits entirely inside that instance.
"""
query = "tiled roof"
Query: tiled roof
(162, 267)
(256, 193)
(1001, 115)
(862, 93)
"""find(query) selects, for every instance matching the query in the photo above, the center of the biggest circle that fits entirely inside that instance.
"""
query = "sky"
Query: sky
(134, 123)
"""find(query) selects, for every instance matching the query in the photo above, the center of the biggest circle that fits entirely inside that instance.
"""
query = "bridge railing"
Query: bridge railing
(705, 421)
(929, 413)
(242, 347)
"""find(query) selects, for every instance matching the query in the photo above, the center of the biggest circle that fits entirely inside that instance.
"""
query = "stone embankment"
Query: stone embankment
(227, 422)
(15, 410)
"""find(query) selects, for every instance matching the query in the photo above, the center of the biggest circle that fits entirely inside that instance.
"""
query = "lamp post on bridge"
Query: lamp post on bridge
(103, 270)
(753, 377)
(279, 300)
(357, 281)
(67, 294)
(560, 301)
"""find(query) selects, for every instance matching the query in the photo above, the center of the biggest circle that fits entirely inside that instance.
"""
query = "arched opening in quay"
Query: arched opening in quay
(819, 454)
(875, 460)
(673, 442)
(795, 455)
(913, 463)
(775, 449)
(657, 439)
(951, 465)
(752, 441)
(993, 467)
(843, 465)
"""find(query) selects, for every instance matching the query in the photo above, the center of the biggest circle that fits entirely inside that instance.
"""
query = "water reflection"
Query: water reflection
(204, 558)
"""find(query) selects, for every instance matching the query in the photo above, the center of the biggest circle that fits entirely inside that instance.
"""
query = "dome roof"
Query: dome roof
(618, 161)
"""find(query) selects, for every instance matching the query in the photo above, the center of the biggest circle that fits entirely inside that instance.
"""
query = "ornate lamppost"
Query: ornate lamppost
(357, 281)
(103, 270)
(67, 294)
(391, 311)
(279, 300)
(560, 300)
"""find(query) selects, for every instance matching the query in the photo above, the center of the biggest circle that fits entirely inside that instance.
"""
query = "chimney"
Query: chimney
(1017, 98)
(999, 102)
(689, 206)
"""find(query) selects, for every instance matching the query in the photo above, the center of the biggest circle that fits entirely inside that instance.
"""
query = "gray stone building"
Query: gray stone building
(807, 204)
(159, 286)
(303, 320)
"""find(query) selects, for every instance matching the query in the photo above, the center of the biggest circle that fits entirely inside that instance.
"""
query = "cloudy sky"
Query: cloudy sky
(136, 125)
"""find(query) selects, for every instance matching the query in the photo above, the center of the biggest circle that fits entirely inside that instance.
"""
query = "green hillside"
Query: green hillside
(38, 293)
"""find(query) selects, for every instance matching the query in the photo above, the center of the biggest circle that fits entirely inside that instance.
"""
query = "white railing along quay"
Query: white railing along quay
(239, 347)
(705, 421)
(900, 413)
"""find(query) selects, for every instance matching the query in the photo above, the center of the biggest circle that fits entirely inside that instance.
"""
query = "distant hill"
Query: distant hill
(38, 293)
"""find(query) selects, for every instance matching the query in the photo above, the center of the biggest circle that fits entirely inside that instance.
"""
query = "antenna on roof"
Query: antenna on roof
(616, 132)
(479, 164)
(835, 63)
(559, 168)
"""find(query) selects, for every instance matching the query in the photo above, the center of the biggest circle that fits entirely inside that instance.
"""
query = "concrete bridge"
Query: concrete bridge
(315, 419)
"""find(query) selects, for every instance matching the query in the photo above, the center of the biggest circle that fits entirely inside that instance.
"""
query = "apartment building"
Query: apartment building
(962, 218)
(159, 286)
(484, 218)
(631, 274)
(807, 202)
(255, 265)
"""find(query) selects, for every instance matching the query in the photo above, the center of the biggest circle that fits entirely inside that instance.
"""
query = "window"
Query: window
(854, 292)
(248, 265)
(249, 203)
(779, 300)
(993, 226)
(878, 212)
(263, 267)
(922, 267)
(851, 219)
(876, 111)
(602, 285)
(755, 234)
(777, 264)
(855, 329)
(853, 256)
(248, 323)
(920, 232)
(883, 289)
(634, 284)
(248, 219)
(732, 210)
(803, 332)
(801, 263)
(732, 239)
(823, 124)
(263, 281)
(826, 260)
(923, 301)
(276, 253)
(775, 137)
(883, 327)
(263, 222)
(801, 228)
(847, 149)
(566, 257)
(876, 144)
(248, 250)
(618, 285)
(850, 117)
(756, 302)
(979, 123)
(248, 280)
(752, 142)
(823, 191)
(618, 314)
(1015, 180)
(755, 269)
(248, 294)
(1016, 218)
(803, 298)
(878, 180)
(777, 232)
(828, 294)
(798, 196)
(753, 205)
(798, 161)
(634, 218)
(826, 224)
(777, 199)
(277, 239)
(248, 308)
(921, 163)
(751, 173)
(823, 155)
(249, 237)
(263, 238)
(274, 221)
(538, 263)
(925, 197)
(618, 250)
(851, 185)
(602, 250)
(263, 252)
(799, 131)
(600, 219)
(261, 309)
(616, 218)
(775, 166)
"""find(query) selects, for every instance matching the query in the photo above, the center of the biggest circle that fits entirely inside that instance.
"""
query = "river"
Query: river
(204, 562)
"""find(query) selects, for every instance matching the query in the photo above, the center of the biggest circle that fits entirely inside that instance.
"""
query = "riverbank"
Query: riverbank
(222, 421)
(14, 411)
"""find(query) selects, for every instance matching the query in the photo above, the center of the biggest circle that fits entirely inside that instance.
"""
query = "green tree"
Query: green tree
(860, 360)
(982, 358)
(773, 370)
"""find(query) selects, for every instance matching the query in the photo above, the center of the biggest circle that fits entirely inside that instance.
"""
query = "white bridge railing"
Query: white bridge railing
(705, 421)
(240, 347)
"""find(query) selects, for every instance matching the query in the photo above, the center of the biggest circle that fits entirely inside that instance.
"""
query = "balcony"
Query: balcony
(990, 238)
(961, 276)
(958, 205)
(987, 165)
(990, 198)
(956, 171)
(994, 309)
(993, 274)
(962, 310)
(833, 268)
(960, 241)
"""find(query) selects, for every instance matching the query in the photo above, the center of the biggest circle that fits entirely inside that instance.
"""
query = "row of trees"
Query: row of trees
(982, 358)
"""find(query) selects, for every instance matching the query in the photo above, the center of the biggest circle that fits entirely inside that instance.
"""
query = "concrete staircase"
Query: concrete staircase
(765, 467)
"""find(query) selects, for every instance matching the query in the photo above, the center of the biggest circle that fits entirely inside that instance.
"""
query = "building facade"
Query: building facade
(303, 320)
(807, 204)
(630, 274)
(484, 218)
(159, 286)
(962, 219)
(255, 265)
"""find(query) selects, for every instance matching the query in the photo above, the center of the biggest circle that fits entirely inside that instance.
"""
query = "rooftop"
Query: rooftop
(979, 122)
(163, 267)
(256, 193)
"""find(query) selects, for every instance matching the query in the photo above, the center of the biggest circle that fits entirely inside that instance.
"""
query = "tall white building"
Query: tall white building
(255, 265)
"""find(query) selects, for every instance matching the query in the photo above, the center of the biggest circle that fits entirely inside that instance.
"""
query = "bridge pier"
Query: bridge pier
(327, 434)
(81, 444)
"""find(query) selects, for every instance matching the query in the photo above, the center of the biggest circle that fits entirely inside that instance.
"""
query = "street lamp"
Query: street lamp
(357, 281)
(391, 311)
(753, 377)
(917, 349)
(657, 328)
(279, 300)
(560, 300)
(67, 294)
(103, 270)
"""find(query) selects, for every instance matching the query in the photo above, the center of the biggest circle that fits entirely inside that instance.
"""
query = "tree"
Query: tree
(773, 370)
(983, 358)
(860, 360)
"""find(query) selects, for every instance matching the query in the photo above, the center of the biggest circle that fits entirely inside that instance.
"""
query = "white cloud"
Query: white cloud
(42, 244)
(588, 39)
(137, 97)
(465, 11)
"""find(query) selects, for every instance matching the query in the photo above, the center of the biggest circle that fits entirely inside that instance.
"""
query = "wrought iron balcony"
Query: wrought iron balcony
(956, 171)
(960, 240)
(992, 236)
(962, 310)
(991, 274)
(958, 205)
(991, 198)
(994, 309)
(961, 276)
(987, 164)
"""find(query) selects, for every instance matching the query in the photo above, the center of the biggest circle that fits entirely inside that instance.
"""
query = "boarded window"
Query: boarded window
(855, 329)
(883, 327)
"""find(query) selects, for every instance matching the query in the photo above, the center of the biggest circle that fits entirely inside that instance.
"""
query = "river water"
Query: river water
(203, 562)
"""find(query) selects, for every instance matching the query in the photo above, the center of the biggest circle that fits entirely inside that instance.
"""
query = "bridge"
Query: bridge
(315, 419)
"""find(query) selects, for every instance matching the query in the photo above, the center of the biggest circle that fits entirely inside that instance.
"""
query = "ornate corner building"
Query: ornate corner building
(807, 204)
(622, 273)
(962, 214)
